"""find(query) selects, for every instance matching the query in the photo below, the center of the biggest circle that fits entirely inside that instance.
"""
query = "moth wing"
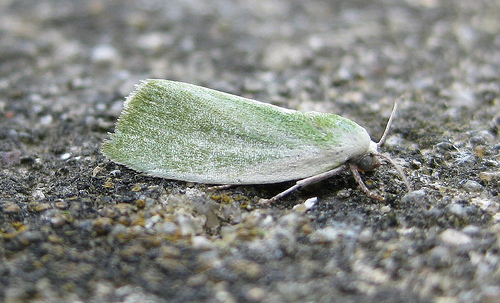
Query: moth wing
(185, 132)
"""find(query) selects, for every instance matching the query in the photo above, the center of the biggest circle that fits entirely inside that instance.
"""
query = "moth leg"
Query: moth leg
(220, 187)
(303, 183)
(357, 177)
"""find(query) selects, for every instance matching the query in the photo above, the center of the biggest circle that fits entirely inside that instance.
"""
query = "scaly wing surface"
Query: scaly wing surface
(185, 132)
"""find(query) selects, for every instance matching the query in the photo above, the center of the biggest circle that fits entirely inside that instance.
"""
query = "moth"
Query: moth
(185, 132)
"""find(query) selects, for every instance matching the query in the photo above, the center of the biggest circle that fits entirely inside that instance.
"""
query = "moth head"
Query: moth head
(367, 162)
(371, 159)
(376, 146)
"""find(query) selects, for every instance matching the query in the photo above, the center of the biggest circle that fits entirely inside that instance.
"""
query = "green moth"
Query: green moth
(185, 132)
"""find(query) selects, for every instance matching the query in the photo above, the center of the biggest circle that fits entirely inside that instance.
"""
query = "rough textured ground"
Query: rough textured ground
(76, 227)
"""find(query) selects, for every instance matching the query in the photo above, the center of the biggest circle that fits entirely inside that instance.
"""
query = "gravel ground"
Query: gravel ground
(76, 227)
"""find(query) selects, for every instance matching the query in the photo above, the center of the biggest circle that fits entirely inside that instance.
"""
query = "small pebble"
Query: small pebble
(414, 196)
(454, 237)
(170, 228)
(103, 225)
(11, 209)
(104, 54)
(247, 269)
(30, 237)
(186, 225)
(65, 156)
(201, 242)
(12, 157)
(456, 209)
(307, 205)
(472, 230)
(472, 186)
(439, 257)
(385, 209)
(46, 120)
(255, 294)
(55, 239)
(61, 204)
(488, 176)
(491, 294)
(325, 235)
(42, 206)
(366, 235)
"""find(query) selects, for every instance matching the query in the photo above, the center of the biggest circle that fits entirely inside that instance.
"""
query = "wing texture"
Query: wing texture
(186, 132)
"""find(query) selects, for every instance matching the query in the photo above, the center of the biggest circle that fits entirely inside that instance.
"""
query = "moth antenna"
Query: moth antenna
(398, 169)
(389, 122)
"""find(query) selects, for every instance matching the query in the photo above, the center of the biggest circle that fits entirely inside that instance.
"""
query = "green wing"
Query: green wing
(185, 132)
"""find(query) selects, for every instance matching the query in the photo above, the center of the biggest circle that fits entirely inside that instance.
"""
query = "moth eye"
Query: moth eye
(368, 162)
